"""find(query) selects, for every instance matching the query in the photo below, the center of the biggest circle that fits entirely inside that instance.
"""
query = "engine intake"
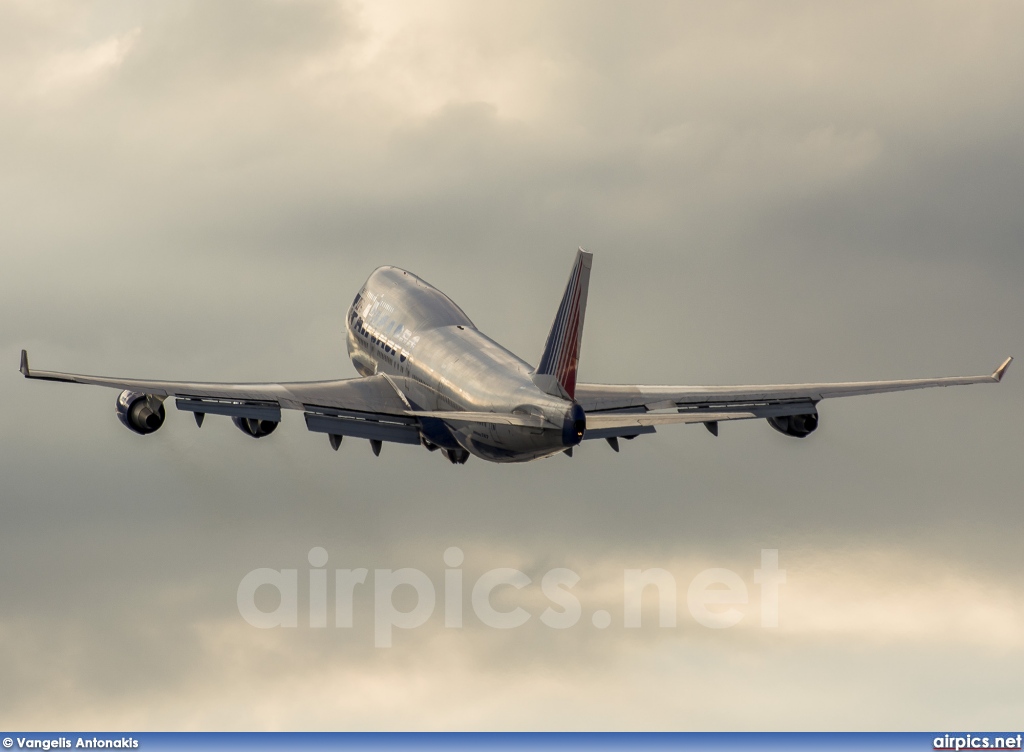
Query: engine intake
(255, 427)
(797, 426)
(135, 410)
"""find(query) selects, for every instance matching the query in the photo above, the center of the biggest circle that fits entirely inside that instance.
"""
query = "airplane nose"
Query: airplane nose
(574, 425)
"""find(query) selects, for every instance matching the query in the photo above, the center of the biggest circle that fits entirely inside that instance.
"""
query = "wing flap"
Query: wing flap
(232, 408)
(375, 427)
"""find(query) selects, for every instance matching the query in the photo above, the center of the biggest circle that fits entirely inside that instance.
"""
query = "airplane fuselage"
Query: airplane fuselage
(401, 326)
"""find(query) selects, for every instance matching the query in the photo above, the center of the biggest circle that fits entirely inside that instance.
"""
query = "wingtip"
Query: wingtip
(998, 373)
(24, 364)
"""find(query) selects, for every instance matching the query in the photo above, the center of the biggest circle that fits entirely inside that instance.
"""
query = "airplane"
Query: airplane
(428, 376)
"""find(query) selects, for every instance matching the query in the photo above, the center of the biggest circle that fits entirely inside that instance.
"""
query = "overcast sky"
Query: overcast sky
(778, 192)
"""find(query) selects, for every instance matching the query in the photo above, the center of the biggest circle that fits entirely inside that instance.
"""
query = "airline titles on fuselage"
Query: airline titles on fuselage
(371, 318)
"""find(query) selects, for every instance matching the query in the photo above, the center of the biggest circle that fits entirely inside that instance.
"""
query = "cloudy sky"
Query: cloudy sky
(773, 192)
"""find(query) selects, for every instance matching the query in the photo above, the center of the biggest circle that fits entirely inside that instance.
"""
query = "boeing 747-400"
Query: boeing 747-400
(429, 377)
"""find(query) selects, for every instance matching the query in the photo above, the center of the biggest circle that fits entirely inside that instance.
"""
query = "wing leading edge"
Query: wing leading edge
(608, 397)
(375, 394)
(370, 407)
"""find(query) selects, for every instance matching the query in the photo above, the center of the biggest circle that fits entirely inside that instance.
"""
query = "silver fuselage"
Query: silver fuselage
(401, 326)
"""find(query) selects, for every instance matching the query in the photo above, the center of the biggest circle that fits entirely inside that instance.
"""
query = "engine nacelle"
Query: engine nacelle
(255, 427)
(135, 410)
(798, 426)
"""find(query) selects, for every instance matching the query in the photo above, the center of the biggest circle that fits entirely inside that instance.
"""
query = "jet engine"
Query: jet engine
(798, 426)
(255, 427)
(136, 411)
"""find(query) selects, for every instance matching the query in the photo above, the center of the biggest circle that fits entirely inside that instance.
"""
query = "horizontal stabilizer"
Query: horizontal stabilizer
(625, 420)
(460, 416)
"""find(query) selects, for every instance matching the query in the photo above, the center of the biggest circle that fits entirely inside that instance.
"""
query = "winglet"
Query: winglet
(998, 373)
(24, 364)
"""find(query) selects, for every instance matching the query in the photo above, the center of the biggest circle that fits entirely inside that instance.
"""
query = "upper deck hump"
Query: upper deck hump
(415, 300)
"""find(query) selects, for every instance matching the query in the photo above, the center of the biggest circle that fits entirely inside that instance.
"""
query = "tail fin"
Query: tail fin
(556, 373)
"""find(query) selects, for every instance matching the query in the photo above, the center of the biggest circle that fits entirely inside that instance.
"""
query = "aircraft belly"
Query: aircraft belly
(515, 445)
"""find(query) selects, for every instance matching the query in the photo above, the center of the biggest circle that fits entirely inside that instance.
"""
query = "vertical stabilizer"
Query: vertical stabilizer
(556, 373)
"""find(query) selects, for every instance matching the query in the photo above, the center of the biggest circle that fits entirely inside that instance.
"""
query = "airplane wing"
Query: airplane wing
(621, 396)
(370, 407)
(368, 394)
(616, 403)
